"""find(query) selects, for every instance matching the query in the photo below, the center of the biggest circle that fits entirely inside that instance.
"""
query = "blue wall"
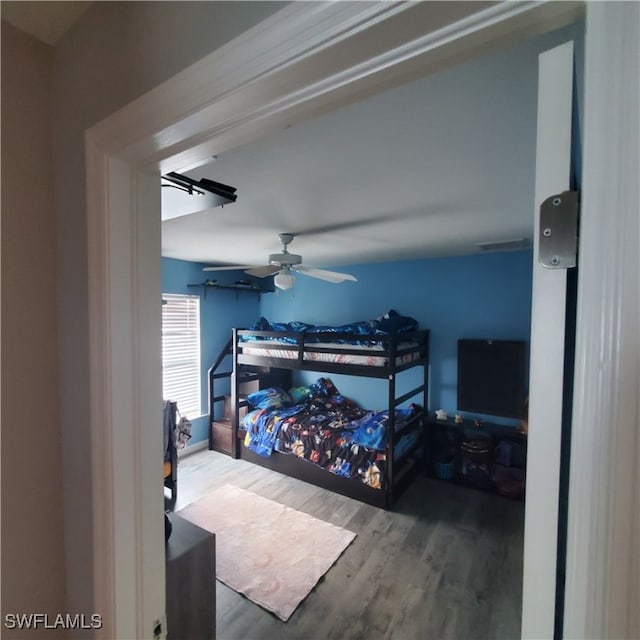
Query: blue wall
(220, 311)
(480, 296)
(483, 296)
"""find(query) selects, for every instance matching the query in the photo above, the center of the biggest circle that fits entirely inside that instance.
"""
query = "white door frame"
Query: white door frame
(292, 65)
(603, 539)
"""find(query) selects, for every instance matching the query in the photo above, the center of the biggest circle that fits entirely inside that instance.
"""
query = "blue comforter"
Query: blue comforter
(389, 323)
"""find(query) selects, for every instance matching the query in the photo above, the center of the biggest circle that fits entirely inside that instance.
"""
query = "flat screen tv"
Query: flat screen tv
(492, 377)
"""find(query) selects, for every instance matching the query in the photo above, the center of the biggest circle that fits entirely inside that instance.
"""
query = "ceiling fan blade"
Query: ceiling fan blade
(419, 213)
(237, 267)
(329, 276)
(263, 272)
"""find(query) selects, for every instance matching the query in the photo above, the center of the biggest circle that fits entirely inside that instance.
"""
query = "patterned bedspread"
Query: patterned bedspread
(330, 431)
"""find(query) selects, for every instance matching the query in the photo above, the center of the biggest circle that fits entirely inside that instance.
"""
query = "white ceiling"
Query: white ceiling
(428, 169)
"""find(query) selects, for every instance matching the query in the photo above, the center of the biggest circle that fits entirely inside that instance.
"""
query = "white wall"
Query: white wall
(117, 52)
(32, 524)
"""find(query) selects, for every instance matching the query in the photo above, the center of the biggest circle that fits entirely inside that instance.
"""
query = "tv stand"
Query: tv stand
(478, 454)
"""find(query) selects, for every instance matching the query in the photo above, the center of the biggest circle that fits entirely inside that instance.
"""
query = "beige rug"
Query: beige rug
(272, 554)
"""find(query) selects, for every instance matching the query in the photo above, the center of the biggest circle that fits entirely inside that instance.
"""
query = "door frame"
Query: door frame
(602, 586)
(326, 53)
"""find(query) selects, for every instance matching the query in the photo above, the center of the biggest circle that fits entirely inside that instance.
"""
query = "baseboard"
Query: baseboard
(193, 448)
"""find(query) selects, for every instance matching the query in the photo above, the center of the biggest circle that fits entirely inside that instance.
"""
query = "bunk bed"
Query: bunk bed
(262, 357)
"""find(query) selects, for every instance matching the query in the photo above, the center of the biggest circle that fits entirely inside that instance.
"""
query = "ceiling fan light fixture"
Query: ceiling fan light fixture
(282, 265)
(284, 279)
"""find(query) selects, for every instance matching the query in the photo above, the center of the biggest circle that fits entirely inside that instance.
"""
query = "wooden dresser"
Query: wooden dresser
(191, 582)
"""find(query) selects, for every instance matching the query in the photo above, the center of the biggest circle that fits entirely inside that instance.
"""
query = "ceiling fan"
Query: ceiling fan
(283, 265)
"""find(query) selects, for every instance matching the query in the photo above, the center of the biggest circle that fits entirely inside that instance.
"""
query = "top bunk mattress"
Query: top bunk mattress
(335, 352)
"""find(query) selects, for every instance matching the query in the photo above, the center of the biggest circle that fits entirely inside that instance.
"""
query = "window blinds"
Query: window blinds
(181, 380)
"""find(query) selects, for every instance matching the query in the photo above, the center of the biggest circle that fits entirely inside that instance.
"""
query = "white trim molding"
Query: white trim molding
(102, 421)
(124, 278)
(603, 547)
(303, 60)
(193, 448)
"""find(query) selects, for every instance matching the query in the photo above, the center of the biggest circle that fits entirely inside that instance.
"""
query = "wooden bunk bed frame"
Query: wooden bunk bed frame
(269, 368)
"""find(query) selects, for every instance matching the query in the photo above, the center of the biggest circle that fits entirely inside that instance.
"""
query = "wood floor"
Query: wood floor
(445, 563)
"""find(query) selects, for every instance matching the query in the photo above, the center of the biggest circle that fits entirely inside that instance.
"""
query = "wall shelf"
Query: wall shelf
(230, 287)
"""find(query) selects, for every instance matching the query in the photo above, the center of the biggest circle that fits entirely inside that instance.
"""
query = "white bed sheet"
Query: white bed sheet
(369, 359)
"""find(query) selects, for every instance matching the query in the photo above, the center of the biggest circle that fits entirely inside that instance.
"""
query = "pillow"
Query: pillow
(392, 321)
(323, 387)
(300, 394)
(270, 398)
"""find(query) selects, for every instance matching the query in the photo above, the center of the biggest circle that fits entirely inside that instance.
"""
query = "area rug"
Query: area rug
(272, 554)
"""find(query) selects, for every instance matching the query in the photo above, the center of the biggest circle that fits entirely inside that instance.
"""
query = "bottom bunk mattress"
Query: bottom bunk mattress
(323, 427)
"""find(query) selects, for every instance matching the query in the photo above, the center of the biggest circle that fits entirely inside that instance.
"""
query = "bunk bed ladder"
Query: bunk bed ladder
(213, 375)
(233, 400)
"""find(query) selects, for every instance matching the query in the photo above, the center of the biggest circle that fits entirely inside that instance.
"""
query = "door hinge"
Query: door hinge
(558, 241)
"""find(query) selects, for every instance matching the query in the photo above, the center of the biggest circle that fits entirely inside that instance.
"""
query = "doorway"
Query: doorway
(120, 191)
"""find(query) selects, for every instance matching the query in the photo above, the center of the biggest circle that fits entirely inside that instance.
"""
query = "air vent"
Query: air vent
(503, 245)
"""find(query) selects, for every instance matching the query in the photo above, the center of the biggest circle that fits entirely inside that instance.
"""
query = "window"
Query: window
(181, 380)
